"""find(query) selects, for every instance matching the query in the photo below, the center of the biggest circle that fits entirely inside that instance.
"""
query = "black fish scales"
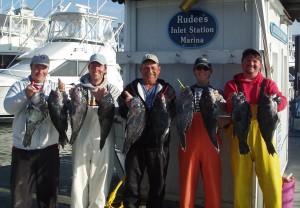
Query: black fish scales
(58, 111)
(135, 123)
(185, 111)
(77, 110)
(241, 118)
(106, 114)
(210, 114)
(267, 118)
(161, 120)
(36, 113)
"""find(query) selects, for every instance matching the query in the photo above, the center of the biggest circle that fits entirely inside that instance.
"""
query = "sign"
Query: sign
(193, 29)
(278, 33)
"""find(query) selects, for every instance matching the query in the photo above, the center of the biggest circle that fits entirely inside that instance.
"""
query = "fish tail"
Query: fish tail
(216, 145)
(27, 140)
(243, 146)
(214, 141)
(271, 149)
(183, 147)
(244, 149)
(126, 147)
(73, 138)
(102, 143)
(63, 139)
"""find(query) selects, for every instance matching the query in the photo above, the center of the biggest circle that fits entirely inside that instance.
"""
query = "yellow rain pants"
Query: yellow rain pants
(200, 157)
(267, 168)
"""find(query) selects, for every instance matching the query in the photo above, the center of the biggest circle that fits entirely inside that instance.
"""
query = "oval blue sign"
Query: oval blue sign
(193, 29)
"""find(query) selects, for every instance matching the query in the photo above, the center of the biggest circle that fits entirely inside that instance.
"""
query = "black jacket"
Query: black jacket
(147, 139)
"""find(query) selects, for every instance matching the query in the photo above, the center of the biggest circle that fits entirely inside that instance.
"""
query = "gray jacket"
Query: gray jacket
(15, 103)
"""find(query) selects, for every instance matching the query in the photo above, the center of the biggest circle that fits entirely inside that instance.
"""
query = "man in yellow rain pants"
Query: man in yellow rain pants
(267, 166)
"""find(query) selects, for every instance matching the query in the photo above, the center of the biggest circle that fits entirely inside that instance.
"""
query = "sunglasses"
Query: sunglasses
(202, 68)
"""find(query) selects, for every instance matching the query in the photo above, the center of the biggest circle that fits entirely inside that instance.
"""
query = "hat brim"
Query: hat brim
(150, 60)
(44, 64)
(250, 51)
(202, 64)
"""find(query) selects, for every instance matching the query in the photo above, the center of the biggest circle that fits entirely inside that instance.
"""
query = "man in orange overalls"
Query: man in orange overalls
(267, 167)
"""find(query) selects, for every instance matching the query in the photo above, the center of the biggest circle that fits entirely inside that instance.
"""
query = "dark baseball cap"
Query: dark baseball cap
(41, 59)
(202, 61)
(250, 51)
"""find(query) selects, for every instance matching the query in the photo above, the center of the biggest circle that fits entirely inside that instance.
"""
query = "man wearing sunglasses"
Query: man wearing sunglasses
(200, 155)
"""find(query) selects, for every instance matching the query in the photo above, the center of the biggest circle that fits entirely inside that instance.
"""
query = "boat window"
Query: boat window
(70, 69)
(82, 68)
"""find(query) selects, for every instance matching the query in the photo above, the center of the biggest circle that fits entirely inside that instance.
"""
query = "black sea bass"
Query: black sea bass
(268, 119)
(210, 113)
(185, 111)
(106, 114)
(77, 110)
(36, 113)
(58, 111)
(136, 121)
(241, 118)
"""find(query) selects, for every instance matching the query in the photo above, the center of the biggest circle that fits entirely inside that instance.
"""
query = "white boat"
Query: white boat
(20, 31)
(73, 37)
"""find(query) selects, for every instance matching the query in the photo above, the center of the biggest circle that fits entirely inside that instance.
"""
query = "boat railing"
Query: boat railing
(80, 26)
(24, 28)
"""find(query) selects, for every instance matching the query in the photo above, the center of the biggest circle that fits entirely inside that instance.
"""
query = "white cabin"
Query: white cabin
(72, 38)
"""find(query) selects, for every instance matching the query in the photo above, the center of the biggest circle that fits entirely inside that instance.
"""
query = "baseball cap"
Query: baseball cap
(41, 59)
(250, 51)
(202, 61)
(98, 58)
(151, 57)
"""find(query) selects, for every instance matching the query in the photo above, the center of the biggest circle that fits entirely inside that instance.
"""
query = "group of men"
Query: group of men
(36, 167)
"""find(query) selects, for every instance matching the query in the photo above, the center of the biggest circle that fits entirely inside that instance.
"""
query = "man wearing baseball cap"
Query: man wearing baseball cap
(199, 153)
(41, 59)
(202, 62)
(93, 150)
(251, 84)
(38, 149)
(99, 58)
(150, 150)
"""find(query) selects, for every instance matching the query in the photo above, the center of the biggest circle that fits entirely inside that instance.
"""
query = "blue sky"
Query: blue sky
(296, 28)
(109, 8)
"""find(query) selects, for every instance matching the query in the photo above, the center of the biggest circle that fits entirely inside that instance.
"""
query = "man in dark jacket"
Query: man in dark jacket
(151, 148)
